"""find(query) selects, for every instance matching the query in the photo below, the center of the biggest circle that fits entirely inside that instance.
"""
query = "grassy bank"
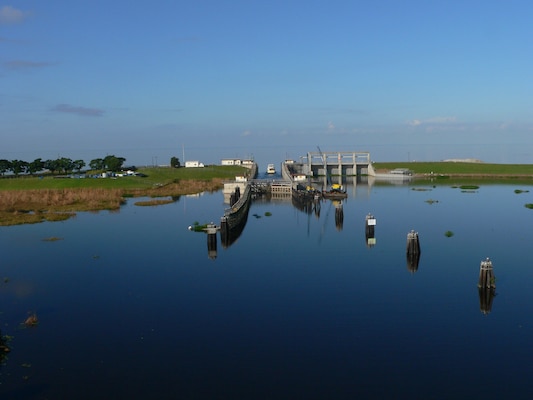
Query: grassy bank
(157, 176)
(465, 169)
(48, 198)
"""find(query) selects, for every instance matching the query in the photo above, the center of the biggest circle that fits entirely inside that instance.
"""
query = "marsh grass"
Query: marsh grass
(38, 205)
(34, 206)
(155, 202)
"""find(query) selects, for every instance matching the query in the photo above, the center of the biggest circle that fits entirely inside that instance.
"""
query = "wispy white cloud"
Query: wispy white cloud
(82, 111)
(10, 15)
(432, 121)
(331, 126)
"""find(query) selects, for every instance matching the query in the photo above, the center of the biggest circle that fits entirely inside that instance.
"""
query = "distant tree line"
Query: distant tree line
(60, 165)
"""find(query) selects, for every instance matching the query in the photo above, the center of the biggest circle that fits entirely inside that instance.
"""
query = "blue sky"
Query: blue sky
(405, 80)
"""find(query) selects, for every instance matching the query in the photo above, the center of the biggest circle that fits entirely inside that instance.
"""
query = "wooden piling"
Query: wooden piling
(211, 231)
(486, 275)
(413, 244)
(235, 196)
(413, 251)
(370, 223)
(370, 234)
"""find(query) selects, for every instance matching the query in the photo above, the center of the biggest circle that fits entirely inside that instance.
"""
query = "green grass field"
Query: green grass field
(154, 176)
(460, 168)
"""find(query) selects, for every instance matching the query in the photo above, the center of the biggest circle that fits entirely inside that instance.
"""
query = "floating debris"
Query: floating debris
(52, 239)
(32, 320)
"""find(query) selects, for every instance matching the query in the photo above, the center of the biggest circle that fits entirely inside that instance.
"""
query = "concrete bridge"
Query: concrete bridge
(340, 163)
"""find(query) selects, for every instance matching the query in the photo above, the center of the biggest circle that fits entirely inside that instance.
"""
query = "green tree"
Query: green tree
(5, 165)
(78, 165)
(175, 162)
(36, 166)
(113, 163)
(65, 164)
(19, 166)
(52, 165)
(97, 164)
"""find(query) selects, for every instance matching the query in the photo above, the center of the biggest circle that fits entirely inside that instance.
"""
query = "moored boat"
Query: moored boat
(271, 169)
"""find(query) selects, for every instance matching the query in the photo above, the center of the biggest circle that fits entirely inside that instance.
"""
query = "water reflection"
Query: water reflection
(211, 231)
(412, 262)
(486, 296)
(288, 303)
(4, 348)
(229, 233)
(339, 214)
(413, 251)
(307, 204)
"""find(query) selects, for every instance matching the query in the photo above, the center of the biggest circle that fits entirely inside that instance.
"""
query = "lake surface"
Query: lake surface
(131, 306)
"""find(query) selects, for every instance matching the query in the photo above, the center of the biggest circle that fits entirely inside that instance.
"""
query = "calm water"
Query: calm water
(131, 306)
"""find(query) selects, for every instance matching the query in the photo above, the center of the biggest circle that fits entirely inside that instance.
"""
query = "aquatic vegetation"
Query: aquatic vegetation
(197, 227)
(268, 214)
(431, 201)
(448, 233)
(529, 205)
(468, 187)
(156, 202)
(518, 191)
(4, 348)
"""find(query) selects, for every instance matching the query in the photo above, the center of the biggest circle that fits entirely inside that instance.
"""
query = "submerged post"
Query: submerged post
(413, 251)
(211, 231)
(486, 275)
(486, 286)
(370, 223)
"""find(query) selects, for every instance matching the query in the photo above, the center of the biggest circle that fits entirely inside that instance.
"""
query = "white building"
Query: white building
(230, 161)
(193, 164)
